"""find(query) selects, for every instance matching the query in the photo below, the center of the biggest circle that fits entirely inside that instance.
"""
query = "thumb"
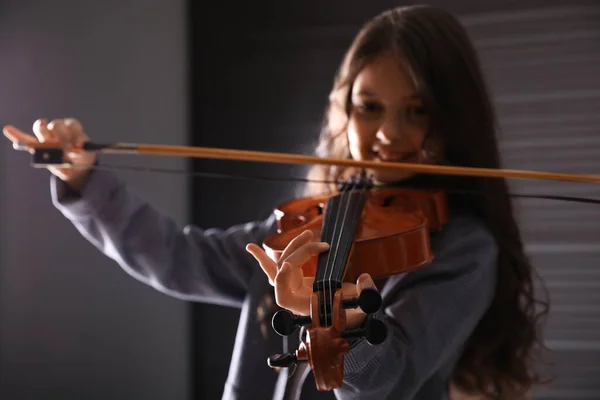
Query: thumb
(364, 281)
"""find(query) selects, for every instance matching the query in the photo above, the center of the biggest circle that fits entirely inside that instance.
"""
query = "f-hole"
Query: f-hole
(388, 201)
(319, 209)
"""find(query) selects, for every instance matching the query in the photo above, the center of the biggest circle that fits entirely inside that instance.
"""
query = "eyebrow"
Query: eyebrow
(368, 93)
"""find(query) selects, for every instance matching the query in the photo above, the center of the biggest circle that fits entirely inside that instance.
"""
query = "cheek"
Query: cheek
(415, 137)
(360, 139)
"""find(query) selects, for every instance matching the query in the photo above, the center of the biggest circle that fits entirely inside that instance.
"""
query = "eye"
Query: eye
(368, 106)
(414, 112)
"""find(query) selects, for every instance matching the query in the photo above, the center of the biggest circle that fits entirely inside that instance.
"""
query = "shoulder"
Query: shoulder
(464, 232)
(460, 281)
(465, 249)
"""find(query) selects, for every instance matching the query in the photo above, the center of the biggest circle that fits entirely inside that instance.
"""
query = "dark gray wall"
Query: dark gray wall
(73, 325)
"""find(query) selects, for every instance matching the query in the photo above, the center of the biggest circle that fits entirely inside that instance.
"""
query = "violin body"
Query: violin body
(392, 237)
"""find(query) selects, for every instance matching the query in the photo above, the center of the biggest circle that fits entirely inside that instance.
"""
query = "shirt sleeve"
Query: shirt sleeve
(432, 315)
(190, 263)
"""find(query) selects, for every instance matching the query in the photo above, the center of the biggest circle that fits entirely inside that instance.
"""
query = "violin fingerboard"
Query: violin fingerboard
(342, 216)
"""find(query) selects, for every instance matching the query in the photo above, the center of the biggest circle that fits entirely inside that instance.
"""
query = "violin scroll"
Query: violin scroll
(327, 342)
(325, 346)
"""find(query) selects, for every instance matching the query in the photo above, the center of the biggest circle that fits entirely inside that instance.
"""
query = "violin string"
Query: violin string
(347, 199)
(329, 268)
(332, 250)
(329, 271)
(575, 199)
(363, 191)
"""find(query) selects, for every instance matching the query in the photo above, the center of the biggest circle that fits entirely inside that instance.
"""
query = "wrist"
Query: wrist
(78, 181)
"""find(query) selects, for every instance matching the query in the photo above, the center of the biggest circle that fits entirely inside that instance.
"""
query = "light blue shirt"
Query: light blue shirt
(429, 313)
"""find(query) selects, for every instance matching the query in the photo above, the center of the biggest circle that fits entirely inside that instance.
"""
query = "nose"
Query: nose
(383, 138)
(389, 131)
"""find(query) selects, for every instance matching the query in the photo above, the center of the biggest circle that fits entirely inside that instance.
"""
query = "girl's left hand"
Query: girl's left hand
(292, 289)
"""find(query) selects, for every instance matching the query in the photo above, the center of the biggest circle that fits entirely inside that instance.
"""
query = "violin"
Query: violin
(380, 231)
(374, 230)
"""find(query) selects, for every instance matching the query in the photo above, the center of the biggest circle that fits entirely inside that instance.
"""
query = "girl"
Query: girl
(410, 89)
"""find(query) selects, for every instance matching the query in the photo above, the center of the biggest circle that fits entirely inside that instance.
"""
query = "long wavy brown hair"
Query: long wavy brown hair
(500, 356)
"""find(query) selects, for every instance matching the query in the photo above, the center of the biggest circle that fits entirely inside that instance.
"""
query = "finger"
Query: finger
(356, 317)
(364, 281)
(298, 241)
(304, 253)
(78, 138)
(307, 285)
(285, 296)
(266, 263)
(294, 278)
(15, 135)
(76, 131)
(61, 133)
(40, 129)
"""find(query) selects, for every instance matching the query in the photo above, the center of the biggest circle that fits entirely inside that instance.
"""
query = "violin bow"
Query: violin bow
(47, 153)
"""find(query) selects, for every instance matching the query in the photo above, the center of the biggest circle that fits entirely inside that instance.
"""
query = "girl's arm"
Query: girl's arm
(209, 265)
(433, 313)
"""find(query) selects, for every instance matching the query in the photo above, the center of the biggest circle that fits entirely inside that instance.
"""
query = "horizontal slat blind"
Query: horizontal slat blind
(543, 67)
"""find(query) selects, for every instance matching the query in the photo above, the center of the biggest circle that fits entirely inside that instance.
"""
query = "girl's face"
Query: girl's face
(387, 119)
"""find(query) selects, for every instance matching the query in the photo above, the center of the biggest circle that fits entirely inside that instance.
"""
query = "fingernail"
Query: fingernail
(366, 279)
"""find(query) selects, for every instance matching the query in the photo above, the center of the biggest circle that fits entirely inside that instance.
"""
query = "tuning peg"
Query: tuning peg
(285, 323)
(374, 331)
(283, 360)
(369, 301)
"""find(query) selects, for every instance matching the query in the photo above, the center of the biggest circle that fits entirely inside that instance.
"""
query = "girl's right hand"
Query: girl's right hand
(69, 133)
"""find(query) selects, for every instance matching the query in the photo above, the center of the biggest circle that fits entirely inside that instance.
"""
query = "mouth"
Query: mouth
(391, 156)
